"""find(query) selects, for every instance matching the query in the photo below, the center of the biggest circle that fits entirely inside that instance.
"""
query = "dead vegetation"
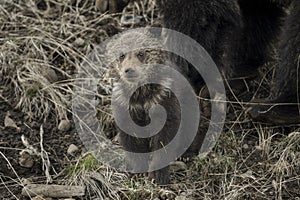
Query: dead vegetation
(42, 45)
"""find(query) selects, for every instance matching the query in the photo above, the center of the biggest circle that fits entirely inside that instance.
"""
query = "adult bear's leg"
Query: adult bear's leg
(262, 20)
(285, 87)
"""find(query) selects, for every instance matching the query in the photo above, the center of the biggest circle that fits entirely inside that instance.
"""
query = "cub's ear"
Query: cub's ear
(112, 6)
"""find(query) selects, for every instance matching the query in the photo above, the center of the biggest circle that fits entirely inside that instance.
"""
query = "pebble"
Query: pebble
(9, 122)
(79, 42)
(72, 149)
(245, 146)
(50, 75)
(26, 160)
(64, 125)
(25, 181)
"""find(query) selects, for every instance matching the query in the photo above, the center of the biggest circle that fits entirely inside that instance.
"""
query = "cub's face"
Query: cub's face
(138, 66)
(130, 66)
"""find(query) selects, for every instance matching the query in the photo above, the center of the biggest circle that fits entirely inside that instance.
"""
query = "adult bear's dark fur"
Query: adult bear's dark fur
(284, 88)
(212, 23)
(262, 20)
(265, 22)
(238, 52)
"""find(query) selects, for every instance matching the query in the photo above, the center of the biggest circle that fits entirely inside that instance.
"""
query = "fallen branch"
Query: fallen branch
(54, 191)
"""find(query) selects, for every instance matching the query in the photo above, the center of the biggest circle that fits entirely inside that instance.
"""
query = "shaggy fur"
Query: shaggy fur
(212, 23)
(240, 36)
(146, 97)
(238, 50)
(284, 88)
(262, 20)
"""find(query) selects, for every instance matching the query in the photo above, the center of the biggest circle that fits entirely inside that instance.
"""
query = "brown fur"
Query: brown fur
(146, 97)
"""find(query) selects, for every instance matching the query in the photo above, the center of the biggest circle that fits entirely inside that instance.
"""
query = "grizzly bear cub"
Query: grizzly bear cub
(132, 67)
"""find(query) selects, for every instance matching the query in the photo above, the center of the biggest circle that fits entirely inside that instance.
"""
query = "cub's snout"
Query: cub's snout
(131, 66)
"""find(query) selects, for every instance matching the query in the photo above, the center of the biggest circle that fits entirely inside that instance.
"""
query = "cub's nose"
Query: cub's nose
(129, 71)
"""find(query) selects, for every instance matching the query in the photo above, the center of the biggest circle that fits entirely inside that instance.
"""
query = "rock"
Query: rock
(79, 42)
(25, 181)
(26, 160)
(72, 149)
(9, 122)
(245, 146)
(50, 74)
(64, 125)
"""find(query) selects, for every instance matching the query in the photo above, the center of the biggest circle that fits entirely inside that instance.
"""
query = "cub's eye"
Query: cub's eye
(122, 56)
(141, 54)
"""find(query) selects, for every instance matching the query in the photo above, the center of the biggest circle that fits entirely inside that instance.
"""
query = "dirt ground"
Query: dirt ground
(56, 144)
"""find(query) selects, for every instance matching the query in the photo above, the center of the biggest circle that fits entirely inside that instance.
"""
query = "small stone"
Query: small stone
(183, 194)
(26, 160)
(178, 166)
(50, 75)
(245, 146)
(25, 181)
(9, 122)
(64, 125)
(72, 149)
(79, 42)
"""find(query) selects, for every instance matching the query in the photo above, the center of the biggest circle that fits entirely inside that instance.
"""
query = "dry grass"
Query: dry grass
(42, 45)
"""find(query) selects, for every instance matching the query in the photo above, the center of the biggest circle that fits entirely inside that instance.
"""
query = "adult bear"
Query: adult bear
(265, 23)
(284, 88)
